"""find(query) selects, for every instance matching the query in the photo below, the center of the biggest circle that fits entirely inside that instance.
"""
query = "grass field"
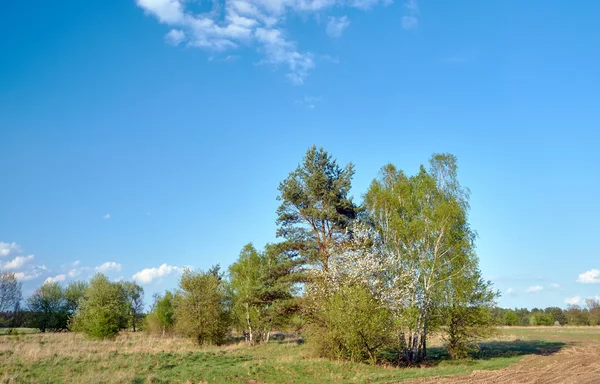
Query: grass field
(139, 358)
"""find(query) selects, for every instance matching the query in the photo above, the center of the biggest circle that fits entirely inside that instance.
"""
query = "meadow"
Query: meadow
(139, 358)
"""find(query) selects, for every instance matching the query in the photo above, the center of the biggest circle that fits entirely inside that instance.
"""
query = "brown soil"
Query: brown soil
(575, 364)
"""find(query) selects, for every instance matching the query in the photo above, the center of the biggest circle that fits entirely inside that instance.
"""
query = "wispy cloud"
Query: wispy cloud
(410, 20)
(258, 24)
(109, 266)
(107, 216)
(336, 26)
(534, 289)
(8, 248)
(309, 102)
(147, 275)
(554, 286)
(573, 300)
(590, 277)
(174, 37)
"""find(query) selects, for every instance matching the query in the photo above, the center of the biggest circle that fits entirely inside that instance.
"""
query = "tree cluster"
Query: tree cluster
(573, 315)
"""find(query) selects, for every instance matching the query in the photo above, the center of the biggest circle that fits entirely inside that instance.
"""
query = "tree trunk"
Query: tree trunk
(249, 325)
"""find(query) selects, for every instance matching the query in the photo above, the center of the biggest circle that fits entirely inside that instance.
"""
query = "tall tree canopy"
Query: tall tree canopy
(316, 208)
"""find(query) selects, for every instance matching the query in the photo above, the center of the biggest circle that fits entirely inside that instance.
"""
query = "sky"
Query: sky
(140, 137)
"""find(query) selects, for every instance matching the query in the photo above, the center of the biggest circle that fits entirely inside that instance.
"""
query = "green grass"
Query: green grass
(5, 331)
(274, 363)
(69, 358)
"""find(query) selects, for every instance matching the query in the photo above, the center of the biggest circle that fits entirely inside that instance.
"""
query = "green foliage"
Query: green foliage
(162, 317)
(421, 223)
(48, 307)
(134, 296)
(103, 310)
(316, 208)
(352, 326)
(541, 318)
(511, 318)
(261, 291)
(202, 309)
(10, 298)
(74, 292)
(470, 318)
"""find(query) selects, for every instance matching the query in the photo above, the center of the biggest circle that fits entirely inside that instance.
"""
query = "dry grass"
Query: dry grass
(139, 358)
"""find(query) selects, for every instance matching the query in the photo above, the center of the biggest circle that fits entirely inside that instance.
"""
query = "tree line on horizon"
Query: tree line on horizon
(368, 282)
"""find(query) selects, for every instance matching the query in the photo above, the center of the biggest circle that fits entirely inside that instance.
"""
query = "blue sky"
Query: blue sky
(147, 133)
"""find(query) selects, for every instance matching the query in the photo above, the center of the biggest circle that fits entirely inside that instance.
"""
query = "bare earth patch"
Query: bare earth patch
(578, 363)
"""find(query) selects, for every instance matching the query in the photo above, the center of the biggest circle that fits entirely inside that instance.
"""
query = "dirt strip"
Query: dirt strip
(577, 364)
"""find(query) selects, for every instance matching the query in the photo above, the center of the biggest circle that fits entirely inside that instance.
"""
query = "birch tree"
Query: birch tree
(420, 223)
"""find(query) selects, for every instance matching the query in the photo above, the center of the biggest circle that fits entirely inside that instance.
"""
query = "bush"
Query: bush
(103, 310)
(511, 319)
(352, 326)
(201, 311)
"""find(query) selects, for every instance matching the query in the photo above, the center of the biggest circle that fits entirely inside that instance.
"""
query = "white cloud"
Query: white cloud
(337, 25)
(590, 277)
(8, 248)
(146, 275)
(26, 276)
(534, 289)
(509, 290)
(17, 262)
(55, 279)
(107, 216)
(109, 266)
(256, 24)
(573, 300)
(175, 37)
(410, 20)
(554, 286)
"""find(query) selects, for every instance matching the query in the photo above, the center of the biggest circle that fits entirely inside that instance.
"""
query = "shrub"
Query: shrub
(352, 326)
(103, 310)
(202, 309)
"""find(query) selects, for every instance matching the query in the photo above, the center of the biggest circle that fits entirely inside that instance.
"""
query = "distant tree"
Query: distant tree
(48, 308)
(557, 314)
(316, 208)
(103, 311)
(162, 317)
(10, 297)
(74, 292)
(593, 305)
(577, 316)
(202, 309)
(541, 318)
(261, 287)
(511, 318)
(134, 296)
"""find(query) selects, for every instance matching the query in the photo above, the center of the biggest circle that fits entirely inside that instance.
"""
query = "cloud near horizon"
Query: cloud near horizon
(258, 24)
(147, 275)
(534, 289)
(109, 266)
